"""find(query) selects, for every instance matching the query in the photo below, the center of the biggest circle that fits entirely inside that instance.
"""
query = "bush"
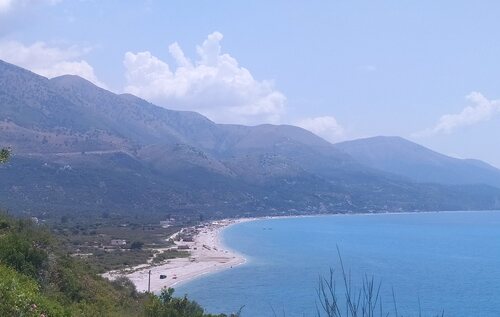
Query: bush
(20, 296)
(169, 254)
(4, 155)
(166, 305)
(38, 276)
(20, 255)
(137, 245)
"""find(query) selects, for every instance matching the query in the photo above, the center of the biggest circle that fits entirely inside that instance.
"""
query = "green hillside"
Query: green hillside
(39, 278)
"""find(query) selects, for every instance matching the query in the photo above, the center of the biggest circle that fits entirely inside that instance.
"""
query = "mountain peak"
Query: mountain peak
(75, 79)
(76, 82)
(391, 139)
(403, 157)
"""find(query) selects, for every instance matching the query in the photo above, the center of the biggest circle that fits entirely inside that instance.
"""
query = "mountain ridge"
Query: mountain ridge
(408, 159)
(82, 148)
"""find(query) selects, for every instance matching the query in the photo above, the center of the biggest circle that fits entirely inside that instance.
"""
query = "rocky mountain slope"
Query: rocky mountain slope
(79, 149)
(402, 157)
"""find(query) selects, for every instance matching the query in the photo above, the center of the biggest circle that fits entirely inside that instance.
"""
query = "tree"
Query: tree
(21, 254)
(4, 155)
(136, 245)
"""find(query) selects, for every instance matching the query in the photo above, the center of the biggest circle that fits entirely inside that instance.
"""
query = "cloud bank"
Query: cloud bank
(482, 109)
(49, 61)
(326, 127)
(214, 84)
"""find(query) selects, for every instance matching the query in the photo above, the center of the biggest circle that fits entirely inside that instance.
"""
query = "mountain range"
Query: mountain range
(401, 157)
(80, 150)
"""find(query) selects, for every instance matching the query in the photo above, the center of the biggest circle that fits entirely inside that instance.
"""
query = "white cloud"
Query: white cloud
(49, 61)
(326, 127)
(5, 5)
(481, 110)
(214, 84)
(8, 5)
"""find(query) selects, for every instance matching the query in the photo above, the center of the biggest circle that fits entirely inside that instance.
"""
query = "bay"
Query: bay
(447, 261)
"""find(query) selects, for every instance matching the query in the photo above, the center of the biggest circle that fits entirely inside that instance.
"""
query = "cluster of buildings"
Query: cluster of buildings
(187, 234)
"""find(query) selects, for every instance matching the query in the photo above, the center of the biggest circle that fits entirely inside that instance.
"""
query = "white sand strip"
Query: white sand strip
(207, 255)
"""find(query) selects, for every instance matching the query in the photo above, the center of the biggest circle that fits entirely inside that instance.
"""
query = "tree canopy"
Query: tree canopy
(4, 155)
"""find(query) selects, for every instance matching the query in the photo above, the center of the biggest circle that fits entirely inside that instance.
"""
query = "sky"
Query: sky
(424, 70)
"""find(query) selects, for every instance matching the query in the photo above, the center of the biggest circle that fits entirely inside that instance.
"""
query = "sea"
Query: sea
(424, 264)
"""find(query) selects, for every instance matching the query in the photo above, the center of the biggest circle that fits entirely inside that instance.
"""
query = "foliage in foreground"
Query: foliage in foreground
(166, 305)
(42, 275)
(356, 302)
(38, 278)
(20, 296)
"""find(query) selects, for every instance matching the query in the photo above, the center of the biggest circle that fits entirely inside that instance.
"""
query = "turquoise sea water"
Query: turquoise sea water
(449, 261)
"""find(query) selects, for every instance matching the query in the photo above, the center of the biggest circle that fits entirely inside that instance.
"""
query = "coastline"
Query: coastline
(207, 255)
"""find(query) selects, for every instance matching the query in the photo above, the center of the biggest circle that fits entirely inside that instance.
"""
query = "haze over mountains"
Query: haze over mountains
(402, 157)
(81, 149)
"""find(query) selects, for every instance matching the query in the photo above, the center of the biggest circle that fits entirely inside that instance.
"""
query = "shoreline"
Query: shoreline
(207, 255)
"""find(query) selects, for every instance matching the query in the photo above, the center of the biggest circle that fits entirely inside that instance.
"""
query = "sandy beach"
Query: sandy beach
(207, 255)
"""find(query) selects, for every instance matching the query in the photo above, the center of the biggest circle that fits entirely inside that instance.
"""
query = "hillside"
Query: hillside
(81, 150)
(39, 278)
(402, 157)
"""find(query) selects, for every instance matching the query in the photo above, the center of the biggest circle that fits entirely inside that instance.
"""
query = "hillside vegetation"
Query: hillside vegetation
(38, 278)
(82, 151)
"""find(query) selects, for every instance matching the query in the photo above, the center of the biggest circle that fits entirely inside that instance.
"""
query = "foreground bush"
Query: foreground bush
(20, 296)
(39, 279)
(166, 305)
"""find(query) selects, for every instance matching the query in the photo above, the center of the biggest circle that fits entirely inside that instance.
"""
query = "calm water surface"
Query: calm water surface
(450, 261)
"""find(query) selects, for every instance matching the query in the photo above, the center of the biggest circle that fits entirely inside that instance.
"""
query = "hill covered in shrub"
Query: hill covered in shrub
(39, 278)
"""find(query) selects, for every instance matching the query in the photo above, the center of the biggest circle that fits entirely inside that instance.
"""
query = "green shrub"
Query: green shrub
(166, 305)
(20, 296)
(4, 155)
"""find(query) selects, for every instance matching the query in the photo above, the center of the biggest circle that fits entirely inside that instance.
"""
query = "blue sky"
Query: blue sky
(424, 70)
